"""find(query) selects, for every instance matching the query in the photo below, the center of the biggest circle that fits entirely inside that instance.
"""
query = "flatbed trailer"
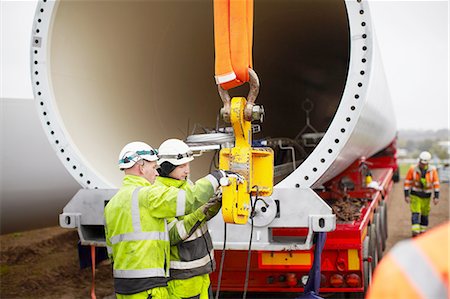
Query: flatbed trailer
(350, 254)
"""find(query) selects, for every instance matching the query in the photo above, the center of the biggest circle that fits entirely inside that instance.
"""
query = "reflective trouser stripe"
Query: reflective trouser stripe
(181, 203)
(423, 228)
(140, 273)
(192, 264)
(420, 273)
(416, 228)
(135, 215)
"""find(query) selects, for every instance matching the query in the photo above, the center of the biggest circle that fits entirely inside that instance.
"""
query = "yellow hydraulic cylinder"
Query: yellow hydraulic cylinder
(255, 166)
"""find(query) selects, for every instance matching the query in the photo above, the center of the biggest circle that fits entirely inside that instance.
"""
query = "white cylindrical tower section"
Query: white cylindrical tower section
(105, 73)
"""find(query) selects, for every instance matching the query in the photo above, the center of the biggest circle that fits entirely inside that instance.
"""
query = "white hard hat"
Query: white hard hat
(136, 151)
(424, 157)
(174, 151)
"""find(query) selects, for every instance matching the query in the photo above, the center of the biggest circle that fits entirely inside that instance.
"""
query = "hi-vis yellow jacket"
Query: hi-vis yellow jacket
(191, 251)
(137, 236)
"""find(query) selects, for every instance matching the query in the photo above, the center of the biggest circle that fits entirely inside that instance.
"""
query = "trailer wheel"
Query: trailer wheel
(373, 241)
(378, 226)
(396, 176)
(386, 220)
(367, 266)
(384, 223)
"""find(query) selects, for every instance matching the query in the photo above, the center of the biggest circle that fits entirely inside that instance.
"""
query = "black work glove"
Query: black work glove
(238, 176)
(218, 174)
(213, 206)
(221, 174)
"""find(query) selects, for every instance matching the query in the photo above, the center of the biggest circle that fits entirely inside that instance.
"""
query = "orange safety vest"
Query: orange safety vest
(413, 180)
(415, 268)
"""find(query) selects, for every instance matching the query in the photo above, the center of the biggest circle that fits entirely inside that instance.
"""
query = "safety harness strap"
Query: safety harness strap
(233, 39)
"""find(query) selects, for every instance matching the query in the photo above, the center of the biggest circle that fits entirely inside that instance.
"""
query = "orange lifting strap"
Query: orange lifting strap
(233, 39)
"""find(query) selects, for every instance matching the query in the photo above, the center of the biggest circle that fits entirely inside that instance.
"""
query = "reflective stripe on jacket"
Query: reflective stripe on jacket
(422, 188)
(191, 253)
(137, 233)
(415, 268)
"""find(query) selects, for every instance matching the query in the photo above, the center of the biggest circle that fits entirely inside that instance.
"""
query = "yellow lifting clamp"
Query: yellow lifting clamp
(254, 166)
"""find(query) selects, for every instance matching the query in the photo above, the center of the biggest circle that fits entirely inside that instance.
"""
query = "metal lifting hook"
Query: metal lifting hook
(251, 112)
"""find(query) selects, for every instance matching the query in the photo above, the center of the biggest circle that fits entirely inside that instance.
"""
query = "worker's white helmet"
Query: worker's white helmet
(174, 151)
(424, 157)
(136, 151)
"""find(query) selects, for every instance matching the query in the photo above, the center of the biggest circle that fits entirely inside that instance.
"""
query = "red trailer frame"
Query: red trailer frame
(350, 254)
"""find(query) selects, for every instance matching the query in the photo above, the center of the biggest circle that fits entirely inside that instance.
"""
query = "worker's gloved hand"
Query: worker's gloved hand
(407, 199)
(230, 174)
(435, 201)
(235, 174)
(215, 207)
(213, 201)
(218, 174)
(221, 176)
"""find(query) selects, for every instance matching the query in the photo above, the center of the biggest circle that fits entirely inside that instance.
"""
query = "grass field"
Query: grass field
(404, 169)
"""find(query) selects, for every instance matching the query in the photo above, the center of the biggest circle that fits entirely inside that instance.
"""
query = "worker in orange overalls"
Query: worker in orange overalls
(415, 268)
(420, 182)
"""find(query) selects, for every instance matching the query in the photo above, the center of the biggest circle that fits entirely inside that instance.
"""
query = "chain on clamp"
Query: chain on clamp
(251, 111)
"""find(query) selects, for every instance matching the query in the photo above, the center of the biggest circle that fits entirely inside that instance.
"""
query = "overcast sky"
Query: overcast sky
(412, 36)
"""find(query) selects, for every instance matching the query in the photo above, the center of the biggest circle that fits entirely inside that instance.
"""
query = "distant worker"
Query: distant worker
(415, 268)
(191, 260)
(137, 236)
(420, 182)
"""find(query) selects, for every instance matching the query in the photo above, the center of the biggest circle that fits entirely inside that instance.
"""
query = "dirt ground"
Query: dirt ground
(399, 215)
(44, 263)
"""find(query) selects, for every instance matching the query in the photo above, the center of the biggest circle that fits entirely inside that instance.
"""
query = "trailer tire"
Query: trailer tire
(382, 209)
(396, 176)
(379, 245)
(384, 223)
(367, 266)
(373, 241)
(386, 228)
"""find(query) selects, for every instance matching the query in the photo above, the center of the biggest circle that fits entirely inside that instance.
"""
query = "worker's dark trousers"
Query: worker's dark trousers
(419, 221)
